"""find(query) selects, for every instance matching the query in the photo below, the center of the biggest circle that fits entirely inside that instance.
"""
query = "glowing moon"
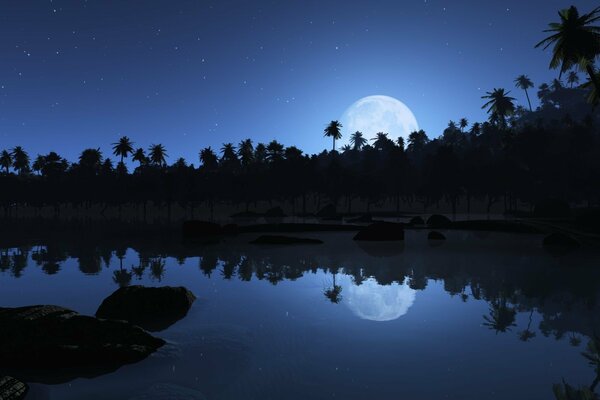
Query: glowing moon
(375, 302)
(374, 114)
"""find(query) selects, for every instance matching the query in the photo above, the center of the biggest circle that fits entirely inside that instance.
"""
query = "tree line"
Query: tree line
(519, 155)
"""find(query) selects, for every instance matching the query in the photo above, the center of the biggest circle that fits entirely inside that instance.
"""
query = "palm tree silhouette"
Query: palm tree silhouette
(357, 140)
(246, 152)
(157, 155)
(499, 106)
(20, 160)
(5, 161)
(208, 158)
(123, 148)
(38, 163)
(91, 160)
(462, 124)
(140, 156)
(576, 42)
(523, 82)
(594, 95)
(333, 131)
(572, 78)
(274, 151)
(382, 142)
(228, 152)
(502, 317)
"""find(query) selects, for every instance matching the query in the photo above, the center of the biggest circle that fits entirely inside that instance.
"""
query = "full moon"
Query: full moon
(376, 302)
(373, 114)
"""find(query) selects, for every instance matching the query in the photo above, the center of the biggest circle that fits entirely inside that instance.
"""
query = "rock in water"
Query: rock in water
(152, 308)
(438, 221)
(381, 231)
(417, 221)
(12, 389)
(560, 240)
(200, 229)
(275, 239)
(45, 339)
(434, 235)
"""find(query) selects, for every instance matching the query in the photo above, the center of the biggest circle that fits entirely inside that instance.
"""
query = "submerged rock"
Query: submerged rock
(418, 220)
(381, 231)
(438, 221)
(200, 229)
(12, 389)
(560, 240)
(275, 239)
(152, 308)
(43, 340)
(434, 235)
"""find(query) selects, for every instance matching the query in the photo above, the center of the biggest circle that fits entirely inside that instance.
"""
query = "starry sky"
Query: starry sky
(190, 74)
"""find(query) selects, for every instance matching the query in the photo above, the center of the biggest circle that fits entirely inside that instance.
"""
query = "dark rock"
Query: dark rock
(418, 220)
(329, 211)
(381, 231)
(383, 249)
(152, 308)
(560, 240)
(361, 219)
(201, 229)
(438, 221)
(434, 235)
(274, 239)
(54, 344)
(231, 229)
(275, 212)
(12, 389)
(298, 227)
(551, 208)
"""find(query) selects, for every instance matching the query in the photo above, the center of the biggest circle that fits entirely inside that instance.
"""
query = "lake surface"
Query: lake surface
(481, 316)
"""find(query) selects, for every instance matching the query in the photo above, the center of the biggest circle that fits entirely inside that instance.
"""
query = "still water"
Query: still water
(481, 316)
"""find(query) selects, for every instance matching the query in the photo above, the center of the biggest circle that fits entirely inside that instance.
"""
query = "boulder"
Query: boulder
(43, 342)
(361, 219)
(12, 389)
(200, 229)
(434, 235)
(275, 239)
(381, 231)
(152, 308)
(551, 208)
(418, 220)
(275, 212)
(560, 240)
(438, 221)
(329, 211)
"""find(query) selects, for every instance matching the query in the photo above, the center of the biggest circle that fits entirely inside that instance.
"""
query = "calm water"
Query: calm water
(481, 316)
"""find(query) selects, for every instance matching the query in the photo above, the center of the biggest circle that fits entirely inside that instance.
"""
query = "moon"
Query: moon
(374, 114)
(376, 302)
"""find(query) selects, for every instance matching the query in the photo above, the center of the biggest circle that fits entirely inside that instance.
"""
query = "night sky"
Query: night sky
(189, 74)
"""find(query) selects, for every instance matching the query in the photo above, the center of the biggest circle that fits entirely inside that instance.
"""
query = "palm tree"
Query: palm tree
(20, 160)
(572, 78)
(123, 148)
(594, 96)
(91, 159)
(246, 152)
(208, 158)
(158, 154)
(333, 131)
(5, 160)
(576, 42)
(140, 156)
(462, 124)
(357, 140)
(382, 142)
(228, 152)
(523, 82)
(499, 106)
(38, 163)
(274, 151)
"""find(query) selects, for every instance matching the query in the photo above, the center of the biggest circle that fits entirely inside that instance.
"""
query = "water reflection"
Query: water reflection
(376, 302)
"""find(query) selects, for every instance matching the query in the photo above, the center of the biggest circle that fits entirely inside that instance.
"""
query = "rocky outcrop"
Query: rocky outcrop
(417, 221)
(283, 240)
(435, 235)
(152, 308)
(46, 338)
(438, 221)
(381, 231)
(12, 389)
